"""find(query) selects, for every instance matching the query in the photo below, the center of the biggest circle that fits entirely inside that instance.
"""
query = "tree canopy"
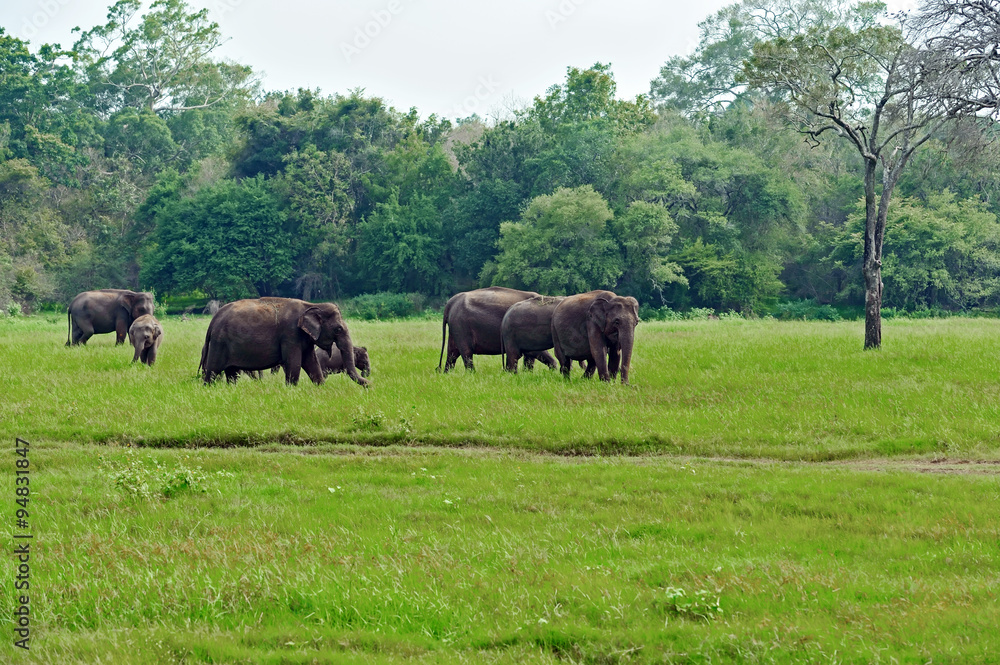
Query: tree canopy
(142, 159)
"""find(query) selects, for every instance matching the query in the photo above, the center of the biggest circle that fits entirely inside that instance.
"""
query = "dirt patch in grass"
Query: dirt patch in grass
(941, 465)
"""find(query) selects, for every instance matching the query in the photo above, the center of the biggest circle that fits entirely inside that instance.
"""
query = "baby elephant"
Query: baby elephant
(145, 335)
(333, 363)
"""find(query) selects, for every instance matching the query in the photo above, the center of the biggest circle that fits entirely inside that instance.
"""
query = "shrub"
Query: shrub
(805, 310)
(381, 306)
(647, 313)
(147, 479)
(700, 605)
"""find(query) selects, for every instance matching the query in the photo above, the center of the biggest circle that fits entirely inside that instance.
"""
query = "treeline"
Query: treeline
(185, 177)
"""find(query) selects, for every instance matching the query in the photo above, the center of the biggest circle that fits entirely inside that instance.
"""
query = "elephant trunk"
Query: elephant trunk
(346, 348)
(626, 338)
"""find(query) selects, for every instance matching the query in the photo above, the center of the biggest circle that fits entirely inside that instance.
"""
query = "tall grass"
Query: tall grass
(785, 390)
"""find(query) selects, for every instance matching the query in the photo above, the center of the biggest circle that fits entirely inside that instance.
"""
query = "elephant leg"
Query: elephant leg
(312, 368)
(82, 331)
(291, 363)
(565, 364)
(513, 355)
(468, 363)
(529, 363)
(589, 368)
(121, 330)
(215, 361)
(150, 356)
(614, 361)
(547, 359)
(599, 352)
(232, 375)
(453, 355)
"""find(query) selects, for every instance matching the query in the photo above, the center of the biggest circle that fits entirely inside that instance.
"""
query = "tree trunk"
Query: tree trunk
(871, 265)
(873, 305)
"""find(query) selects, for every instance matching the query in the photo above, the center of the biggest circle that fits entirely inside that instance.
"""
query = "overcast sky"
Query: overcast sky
(447, 57)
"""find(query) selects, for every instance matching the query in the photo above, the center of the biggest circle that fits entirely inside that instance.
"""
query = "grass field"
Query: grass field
(763, 492)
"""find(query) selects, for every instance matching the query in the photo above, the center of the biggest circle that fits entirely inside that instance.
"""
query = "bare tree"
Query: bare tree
(887, 88)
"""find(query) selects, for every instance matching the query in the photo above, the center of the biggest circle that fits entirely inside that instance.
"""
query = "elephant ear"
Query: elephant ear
(598, 312)
(634, 304)
(311, 323)
(128, 302)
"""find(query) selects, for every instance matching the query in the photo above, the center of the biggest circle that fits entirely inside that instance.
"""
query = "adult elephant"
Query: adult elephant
(526, 328)
(474, 319)
(255, 334)
(598, 327)
(107, 310)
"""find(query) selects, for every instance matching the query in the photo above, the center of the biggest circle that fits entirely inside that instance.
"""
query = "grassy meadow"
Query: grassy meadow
(763, 492)
(793, 391)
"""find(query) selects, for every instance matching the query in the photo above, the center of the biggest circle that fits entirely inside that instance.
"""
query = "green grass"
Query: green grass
(785, 478)
(783, 390)
(506, 557)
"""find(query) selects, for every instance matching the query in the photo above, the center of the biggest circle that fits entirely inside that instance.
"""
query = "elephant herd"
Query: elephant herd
(121, 312)
(250, 336)
(596, 328)
(246, 336)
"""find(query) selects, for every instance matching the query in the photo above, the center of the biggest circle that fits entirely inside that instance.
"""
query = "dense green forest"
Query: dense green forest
(137, 159)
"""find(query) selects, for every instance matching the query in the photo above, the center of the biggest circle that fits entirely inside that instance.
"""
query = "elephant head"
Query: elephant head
(614, 318)
(137, 304)
(324, 325)
(362, 361)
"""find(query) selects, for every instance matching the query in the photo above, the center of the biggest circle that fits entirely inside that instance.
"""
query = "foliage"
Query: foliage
(702, 604)
(381, 306)
(804, 310)
(158, 62)
(709, 80)
(560, 246)
(228, 240)
(728, 280)
(944, 253)
(709, 200)
(145, 479)
(400, 247)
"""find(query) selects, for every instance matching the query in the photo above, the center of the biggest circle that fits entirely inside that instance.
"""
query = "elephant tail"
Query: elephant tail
(204, 350)
(444, 335)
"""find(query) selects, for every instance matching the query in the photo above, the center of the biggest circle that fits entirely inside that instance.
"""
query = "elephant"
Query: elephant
(146, 335)
(598, 327)
(527, 327)
(104, 311)
(333, 362)
(474, 319)
(256, 334)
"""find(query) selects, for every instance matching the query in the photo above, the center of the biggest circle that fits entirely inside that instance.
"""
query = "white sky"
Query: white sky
(447, 57)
